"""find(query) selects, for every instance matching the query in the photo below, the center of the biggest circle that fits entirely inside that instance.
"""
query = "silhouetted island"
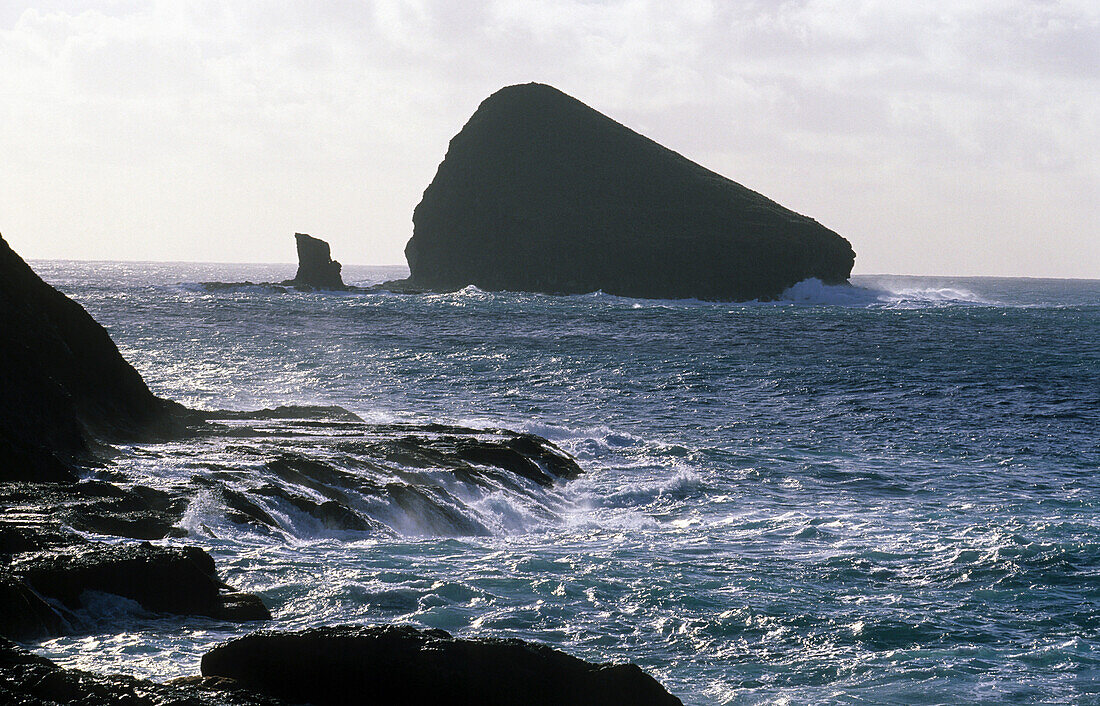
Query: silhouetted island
(539, 192)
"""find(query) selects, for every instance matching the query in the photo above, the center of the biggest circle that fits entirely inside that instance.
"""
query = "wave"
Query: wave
(815, 292)
(876, 293)
(582, 441)
(308, 473)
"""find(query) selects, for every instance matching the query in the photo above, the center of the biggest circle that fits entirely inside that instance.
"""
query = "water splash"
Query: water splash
(881, 294)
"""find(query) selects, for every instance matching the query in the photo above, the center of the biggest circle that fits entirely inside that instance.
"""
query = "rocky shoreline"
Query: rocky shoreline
(72, 528)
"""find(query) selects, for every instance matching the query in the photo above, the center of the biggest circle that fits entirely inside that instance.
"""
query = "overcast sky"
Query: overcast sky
(938, 137)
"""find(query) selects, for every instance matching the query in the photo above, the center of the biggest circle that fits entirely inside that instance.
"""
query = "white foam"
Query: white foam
(602, 436)
(881, 293)
(948, 295)
(205, 516)
(681, 481)
(814, 291)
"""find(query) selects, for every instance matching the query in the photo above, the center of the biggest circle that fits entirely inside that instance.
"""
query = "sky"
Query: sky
(952, 138)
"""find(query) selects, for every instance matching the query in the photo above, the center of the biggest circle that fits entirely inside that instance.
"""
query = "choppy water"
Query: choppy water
(880, 494)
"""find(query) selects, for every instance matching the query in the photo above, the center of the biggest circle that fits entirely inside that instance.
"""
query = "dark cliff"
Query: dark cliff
(63, 383)
(539, 192)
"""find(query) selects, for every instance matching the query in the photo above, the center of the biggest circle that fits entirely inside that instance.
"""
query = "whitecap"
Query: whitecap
(882, 293)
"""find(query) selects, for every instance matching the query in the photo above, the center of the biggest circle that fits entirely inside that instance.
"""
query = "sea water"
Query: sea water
(884, 493)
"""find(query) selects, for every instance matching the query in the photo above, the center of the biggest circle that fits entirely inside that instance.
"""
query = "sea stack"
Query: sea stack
(539, 192)
(316, 268)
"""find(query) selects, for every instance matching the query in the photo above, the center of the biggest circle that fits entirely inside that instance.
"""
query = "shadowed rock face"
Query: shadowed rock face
(402, 664)
(316, 268)
(179, 580)
(539, 192)
(62, 381)
(26, 616)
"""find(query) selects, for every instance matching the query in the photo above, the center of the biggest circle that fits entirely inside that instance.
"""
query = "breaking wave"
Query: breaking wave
(308, 473)
(883, 294)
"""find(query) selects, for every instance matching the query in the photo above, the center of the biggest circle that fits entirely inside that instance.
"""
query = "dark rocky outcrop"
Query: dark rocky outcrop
(402, 664)
(63, 383)
(539, 192)
(316, 268)
(179, 580)
(29, 680)
(472, 453)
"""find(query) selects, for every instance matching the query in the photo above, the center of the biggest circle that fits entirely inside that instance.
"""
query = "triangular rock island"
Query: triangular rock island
(539, 192)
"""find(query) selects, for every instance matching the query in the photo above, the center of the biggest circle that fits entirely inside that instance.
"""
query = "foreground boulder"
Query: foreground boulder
(402, 664)
(179, 580)
(63, 382)
(40, 590)
(541, 193)
(316, 268)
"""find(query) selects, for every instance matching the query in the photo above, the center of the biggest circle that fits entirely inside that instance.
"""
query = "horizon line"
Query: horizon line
(355, 264)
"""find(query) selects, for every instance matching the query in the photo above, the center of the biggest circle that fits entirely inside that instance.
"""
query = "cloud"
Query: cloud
(870, 116)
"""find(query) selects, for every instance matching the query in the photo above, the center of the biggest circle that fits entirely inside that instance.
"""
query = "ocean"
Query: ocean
(880, 494)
